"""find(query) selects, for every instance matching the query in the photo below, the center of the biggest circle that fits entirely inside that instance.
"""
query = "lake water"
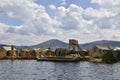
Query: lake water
(36, 70)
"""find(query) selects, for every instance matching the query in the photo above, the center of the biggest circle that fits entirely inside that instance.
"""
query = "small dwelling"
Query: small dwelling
(6, 51)
(39, 52)
(98, 51)
(25, 53)
(10, 51)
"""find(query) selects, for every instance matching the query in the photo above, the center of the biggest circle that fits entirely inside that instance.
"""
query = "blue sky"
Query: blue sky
(4, 18)
(40, 20)
(83, 3)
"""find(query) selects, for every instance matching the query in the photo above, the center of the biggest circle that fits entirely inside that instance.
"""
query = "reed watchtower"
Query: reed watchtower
(74, 44)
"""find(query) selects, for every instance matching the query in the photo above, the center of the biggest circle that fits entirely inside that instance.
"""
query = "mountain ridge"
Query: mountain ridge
(55, 43)
(101, 43)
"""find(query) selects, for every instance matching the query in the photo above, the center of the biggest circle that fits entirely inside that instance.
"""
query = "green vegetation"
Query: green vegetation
(117, 55)
(71, 52)
(109, 57)
(61, 52)
(83, 53)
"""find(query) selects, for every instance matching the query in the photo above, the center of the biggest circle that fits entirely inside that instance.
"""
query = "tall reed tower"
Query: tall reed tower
(73, 44)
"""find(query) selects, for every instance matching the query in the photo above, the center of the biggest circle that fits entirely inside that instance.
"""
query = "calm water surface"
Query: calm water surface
(33, 70)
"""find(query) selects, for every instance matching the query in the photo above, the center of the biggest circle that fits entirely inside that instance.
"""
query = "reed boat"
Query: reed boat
(59, 59)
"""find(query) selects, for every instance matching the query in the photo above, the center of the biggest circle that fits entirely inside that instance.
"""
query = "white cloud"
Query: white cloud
(52, 7)
(3, 28)
(110, 5)
(86, 25)
(108, 2)
(70, 18)
(110, 34)
(34, 16)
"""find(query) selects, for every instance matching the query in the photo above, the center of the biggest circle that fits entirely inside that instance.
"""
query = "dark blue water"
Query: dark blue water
(33, 70)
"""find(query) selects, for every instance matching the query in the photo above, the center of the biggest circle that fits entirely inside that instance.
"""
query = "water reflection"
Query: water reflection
(33, 70)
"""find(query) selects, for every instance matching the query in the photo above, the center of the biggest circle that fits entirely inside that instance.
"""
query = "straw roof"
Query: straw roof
(103, 47)
(8, 48)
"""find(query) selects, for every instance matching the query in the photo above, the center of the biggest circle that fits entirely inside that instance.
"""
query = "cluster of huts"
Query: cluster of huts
(10, 52)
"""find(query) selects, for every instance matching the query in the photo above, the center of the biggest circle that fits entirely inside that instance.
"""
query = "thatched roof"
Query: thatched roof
(8, 48)
(103, 47)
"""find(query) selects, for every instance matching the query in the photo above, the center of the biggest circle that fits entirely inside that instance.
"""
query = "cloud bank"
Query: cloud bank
(86, 25)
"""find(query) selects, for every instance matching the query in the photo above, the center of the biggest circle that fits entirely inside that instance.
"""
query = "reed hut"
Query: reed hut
(25, 53)
(98, 51)
(8, 51)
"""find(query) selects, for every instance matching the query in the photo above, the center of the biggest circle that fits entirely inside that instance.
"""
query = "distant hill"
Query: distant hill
(54, 43)
(1, 45)
(101, 43)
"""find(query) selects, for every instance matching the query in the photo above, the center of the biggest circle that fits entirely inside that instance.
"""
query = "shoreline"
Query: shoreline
(87, 58)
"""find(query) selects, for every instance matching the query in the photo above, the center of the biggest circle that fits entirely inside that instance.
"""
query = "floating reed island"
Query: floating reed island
(104, 54)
